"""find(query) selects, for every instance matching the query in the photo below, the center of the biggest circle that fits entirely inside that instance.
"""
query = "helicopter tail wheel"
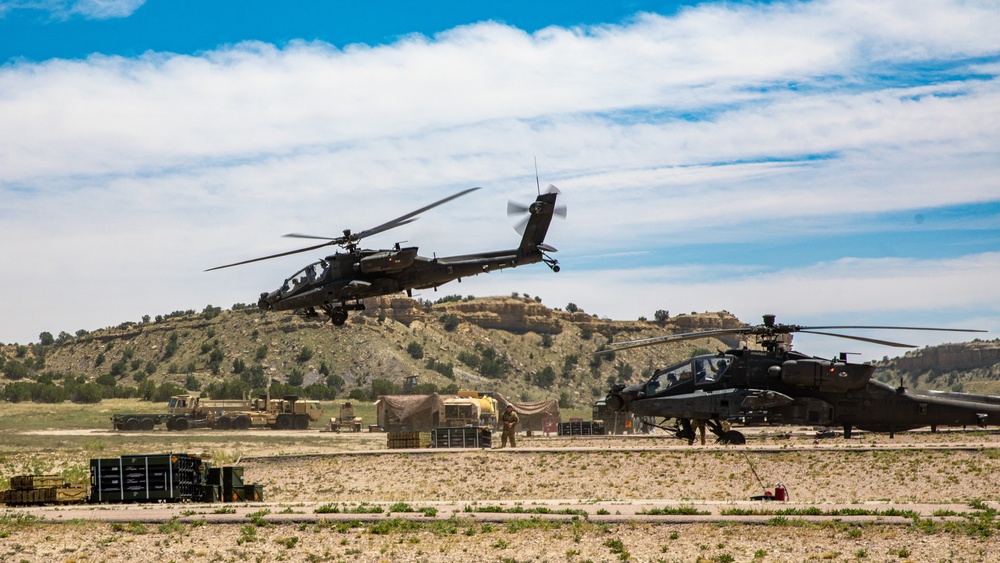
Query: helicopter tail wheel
(732, 437)
(551, 262)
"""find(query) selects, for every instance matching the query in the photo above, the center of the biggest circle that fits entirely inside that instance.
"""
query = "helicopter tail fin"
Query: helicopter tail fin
(535, 227)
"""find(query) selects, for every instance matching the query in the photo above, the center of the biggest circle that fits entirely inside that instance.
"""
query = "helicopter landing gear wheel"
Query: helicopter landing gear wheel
(732, 437)
(338, 317)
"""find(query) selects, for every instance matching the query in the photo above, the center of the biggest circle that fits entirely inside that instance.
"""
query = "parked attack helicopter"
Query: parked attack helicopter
(778, 386)
(338, 283)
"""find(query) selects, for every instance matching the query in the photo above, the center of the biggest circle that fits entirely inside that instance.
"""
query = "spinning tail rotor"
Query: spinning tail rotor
(514, 209)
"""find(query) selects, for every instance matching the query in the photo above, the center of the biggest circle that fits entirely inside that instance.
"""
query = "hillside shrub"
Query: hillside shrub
(447, 370)
(544, 377)
(305, 354)
(415, 350)
(450, 322)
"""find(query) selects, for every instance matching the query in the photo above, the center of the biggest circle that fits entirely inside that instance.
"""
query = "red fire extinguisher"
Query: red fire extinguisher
(780, 492)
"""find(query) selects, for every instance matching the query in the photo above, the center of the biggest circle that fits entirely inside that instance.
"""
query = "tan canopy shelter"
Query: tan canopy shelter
(530, 413)
(409, 413)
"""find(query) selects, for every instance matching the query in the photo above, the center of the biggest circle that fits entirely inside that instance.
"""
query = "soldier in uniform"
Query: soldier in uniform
(508, 422)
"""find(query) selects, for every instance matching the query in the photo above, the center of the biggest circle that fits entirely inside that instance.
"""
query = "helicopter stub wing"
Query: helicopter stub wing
(723, 404)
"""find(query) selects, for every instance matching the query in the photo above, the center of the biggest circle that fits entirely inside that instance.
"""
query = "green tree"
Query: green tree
(384, 387)
(564, 401)
(336, 384)
(107, 380)
(15, 370)
(17, 392)
(88, 393)
(661, 316)
(171, 347)
(295, 377)
(211, 312)
(46, 339)
(165, 391)
(255, 377)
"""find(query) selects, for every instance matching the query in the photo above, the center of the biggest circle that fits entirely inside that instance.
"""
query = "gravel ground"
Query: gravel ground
(615, 480)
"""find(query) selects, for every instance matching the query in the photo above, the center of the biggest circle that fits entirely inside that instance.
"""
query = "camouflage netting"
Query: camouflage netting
(423, 413)
(409, 413)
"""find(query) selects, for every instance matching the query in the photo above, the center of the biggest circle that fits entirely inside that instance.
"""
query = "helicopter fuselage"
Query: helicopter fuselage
(352, 276)
(786, 387)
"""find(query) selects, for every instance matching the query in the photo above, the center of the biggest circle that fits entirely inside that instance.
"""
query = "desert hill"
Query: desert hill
(970, 367)
(514, 345)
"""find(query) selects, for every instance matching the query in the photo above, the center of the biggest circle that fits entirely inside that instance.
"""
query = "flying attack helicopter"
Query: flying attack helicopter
(339, 282)
(779, 386)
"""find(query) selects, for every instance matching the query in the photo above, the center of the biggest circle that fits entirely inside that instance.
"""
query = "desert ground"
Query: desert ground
(345, 497)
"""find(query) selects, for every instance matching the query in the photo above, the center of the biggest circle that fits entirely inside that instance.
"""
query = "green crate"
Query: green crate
(232, 484)
(253, 493)
(210, 493)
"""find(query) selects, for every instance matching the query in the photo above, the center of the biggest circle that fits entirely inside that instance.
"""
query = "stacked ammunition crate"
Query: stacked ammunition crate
(43, 489)
(143, 478)
(462, 437)
(405, 440)
(581, 428)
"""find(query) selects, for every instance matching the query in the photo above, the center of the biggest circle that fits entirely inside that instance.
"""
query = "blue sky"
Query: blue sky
(831, 162)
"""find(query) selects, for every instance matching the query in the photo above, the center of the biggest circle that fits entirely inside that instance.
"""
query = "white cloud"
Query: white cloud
(89, 9)
(725, 124)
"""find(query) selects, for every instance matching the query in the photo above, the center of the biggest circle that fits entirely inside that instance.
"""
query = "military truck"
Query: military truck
(469, 409)
(188, 411)
(346, 420)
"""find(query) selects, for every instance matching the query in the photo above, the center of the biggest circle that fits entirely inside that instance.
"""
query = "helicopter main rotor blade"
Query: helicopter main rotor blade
(348, 236)
(803, 328)
(338, 240)
(628, 345)
(269, 257)
(861, 338)
(402, 220)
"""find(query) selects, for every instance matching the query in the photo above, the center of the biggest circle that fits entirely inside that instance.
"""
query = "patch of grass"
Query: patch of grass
(617, 547)
(394, 526)
(257, 518)
(675, 511)
(137, 528)
(519, 509)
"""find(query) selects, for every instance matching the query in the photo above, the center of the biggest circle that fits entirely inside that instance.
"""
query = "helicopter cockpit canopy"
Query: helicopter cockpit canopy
(701, 369)
(305, 276)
